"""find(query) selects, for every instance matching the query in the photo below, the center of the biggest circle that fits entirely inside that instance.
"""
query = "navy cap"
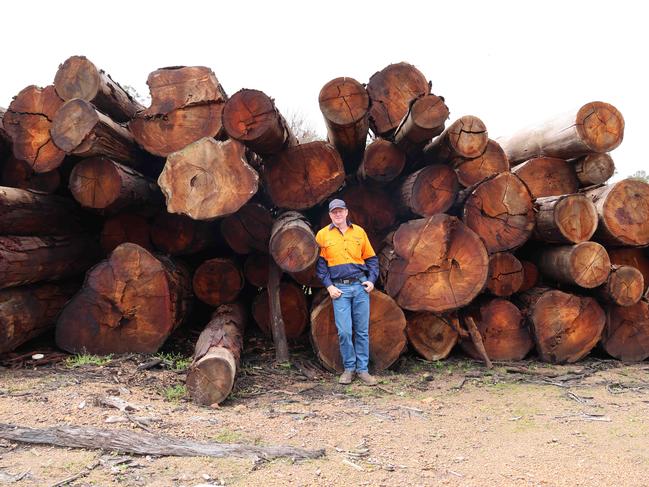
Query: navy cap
(336, 204)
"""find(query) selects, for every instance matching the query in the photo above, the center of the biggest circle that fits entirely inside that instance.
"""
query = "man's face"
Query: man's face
(338, 216)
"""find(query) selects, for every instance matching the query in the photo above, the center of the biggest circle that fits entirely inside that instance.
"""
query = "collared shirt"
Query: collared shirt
(344, 256)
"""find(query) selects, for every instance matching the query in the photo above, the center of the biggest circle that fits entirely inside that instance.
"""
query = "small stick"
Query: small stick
(476, 337)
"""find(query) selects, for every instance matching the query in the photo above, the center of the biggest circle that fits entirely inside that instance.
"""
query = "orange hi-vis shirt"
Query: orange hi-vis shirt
(344, 256)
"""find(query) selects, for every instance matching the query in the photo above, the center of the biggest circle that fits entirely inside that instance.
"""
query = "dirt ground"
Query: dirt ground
(451, 423)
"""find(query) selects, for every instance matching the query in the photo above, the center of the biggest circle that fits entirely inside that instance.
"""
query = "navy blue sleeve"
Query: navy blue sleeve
(322, 271)
(372, 264)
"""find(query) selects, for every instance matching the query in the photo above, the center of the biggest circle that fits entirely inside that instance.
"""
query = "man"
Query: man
(348, 268)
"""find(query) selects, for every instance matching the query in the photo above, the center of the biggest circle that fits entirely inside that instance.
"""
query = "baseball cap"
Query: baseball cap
(333, 204)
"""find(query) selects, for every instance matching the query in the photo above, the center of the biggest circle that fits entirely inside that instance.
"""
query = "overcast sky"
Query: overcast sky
(509, 63)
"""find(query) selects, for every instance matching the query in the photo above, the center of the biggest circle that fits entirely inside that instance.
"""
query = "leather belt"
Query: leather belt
(350, 280)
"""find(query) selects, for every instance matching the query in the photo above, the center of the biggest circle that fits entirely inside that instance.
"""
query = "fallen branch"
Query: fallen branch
(476, 337)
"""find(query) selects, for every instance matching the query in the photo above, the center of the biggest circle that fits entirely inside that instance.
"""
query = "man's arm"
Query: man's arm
(371, 261)
(322, 271)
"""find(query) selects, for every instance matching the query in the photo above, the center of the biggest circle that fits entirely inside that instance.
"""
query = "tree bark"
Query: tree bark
(585, 264)
(78, 77)
(125, 227)
(391, 91)
(594, 169)
(248, 229)
(250, 116)
(570, 218)
(303, 176)
(530, 276)
(28, 311)
(428, 191)
(217, 356)
(633, 257)
(294, 310)
(208, 179)
(180, 235)
(624, 286)
(26, 260)
(424, 120)
(472, 170)
(382, 162)
(433, 336)
(98, 183)
(565, 326)
(19, 174)
(387, 333)
(623, 212)
(594, 127)
(292, 242)
(505, 275)
(467, 137)
(130, 302)
(218, 281)
(28, 121)
(500, 210)
(626, 335)
(256, 268)
(503, 329)
(548, 176)
(25, 212)
(434, 264)
(345, 105)
(277, 325)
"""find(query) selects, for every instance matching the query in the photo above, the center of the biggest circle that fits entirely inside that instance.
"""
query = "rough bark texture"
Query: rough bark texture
(28, 121)
(19, 174)
(391, 91)
(303, 176)
(548, 176)
(424, 120)
(251, 117)
(248, 229)
(125, 227)
(26, 312)
(472, 170)
(78, 77)
(434, 264)
(505, 335)
(130, 302)
(633, 257)
(295, 312)
(505, 275)
(25, 212)
(565, 326)
(218, 281)
(530, 276)
(626, 335)
(382, 162)
(217, 355)
(180, 235)
(292, 242)
(624, 286)
(433, 336)
(277, 325)
(255, 269)
(500, 210)
(623, 211)
(467, 137)
(593, 169)
(585, 264)
(594, 127)
(570, 218)
(345, 105)
(208, 179)
(26, 260)
(387, 333)
(428, 191)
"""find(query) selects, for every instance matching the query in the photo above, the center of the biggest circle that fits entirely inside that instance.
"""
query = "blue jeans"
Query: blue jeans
(352, 313)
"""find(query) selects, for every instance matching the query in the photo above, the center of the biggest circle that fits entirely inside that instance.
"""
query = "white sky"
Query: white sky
(510, 63)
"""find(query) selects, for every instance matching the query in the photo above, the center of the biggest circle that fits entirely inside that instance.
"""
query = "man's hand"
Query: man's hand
(368, 286)
(334, 292)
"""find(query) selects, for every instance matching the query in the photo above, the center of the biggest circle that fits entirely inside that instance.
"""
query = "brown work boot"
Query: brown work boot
(346, 377)
(367, 379)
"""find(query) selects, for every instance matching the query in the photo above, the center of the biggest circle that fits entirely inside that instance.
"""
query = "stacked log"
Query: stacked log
(382, 162)
(293, 306)
(432, 335)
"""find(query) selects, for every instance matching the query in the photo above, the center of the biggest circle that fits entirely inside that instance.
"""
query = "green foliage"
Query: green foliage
(83, 359)
(175, 393)
(174, 361)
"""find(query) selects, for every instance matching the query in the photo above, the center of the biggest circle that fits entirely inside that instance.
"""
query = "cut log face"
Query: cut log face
(304, 176)
(434, 264)
(28, 121)
(130, 302)
(433, 336)
(624, 286)
(295, 311)
(26, 260)
(467, 137)
(248, 229)
(569, 218)
(208, 179)
(387, 333)
(505, 276)
(308, 277)
(500, 210)
(471, 171)
(633, 257)
(292, 242)
(594, 169)
(391, 91)
(217, 355)
(530, 276)
(382, 162)
(180, 235)
(218, 281)
(565, 326)
(19, 174)
(250, 116)
(424, 120)
(78, 77)
(345, 104)
(626, 335)
(26, 312)
(548, 176)
(125, 227)
(430, 190)
(503, 329)
(585, 264)
(594, 127)
(623, 211)
(255, 269)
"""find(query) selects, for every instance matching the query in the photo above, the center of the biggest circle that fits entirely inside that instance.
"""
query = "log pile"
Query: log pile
(500, 245)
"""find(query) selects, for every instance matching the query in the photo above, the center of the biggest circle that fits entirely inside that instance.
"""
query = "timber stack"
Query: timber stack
(500, 246)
